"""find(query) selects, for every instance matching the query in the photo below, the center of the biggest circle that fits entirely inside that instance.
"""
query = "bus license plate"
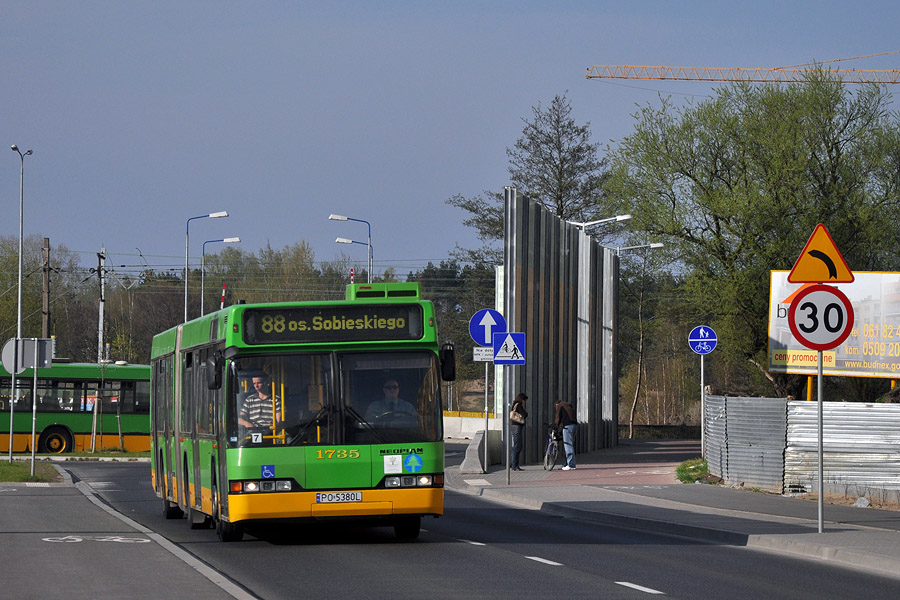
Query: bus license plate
(338, 497)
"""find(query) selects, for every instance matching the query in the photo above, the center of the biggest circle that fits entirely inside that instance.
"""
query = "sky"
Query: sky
(142, 115)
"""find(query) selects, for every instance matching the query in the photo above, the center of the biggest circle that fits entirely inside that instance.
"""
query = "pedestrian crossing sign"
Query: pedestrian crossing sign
(509, 348)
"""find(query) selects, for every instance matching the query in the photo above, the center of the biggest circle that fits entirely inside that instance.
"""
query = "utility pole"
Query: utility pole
(45, 304)
(101, 263)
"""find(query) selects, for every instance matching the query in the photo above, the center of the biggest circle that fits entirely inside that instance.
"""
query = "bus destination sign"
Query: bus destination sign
(333, 323)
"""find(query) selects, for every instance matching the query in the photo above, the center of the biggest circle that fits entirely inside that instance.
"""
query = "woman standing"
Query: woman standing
(516, 429)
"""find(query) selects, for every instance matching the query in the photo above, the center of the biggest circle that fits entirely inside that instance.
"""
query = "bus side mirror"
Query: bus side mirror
(215, 364)
(448, 362)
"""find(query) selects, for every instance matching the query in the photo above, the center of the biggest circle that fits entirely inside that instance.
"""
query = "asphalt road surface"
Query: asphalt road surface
(480, 549)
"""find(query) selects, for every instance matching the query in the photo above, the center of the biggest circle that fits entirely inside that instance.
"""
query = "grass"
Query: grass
(692, 471)
(20, 471)
(102, 454)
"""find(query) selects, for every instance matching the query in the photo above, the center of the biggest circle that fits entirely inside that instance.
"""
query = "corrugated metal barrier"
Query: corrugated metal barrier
(745, 439)
(861, 447)
(772, 444)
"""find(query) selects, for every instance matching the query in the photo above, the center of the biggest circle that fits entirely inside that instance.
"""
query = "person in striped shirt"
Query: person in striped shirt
(257, 409)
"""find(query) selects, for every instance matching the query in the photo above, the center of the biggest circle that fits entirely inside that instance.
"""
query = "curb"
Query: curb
(851, 558)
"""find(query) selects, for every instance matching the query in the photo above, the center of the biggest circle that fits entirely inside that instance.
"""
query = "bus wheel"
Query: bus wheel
(55, 441)
(227, 532)
(407, 528)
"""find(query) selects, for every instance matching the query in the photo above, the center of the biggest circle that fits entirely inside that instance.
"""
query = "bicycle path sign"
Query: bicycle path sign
(702, 339)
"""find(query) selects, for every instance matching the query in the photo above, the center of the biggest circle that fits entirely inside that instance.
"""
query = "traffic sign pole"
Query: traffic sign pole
(702, 407)
(487, 422)
(827, 317)
(482, 327)
(702, 340)
(821, 502)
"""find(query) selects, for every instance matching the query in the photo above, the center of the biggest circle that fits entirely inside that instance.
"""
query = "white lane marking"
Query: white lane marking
(477, 481)
(544, 560)
(640, 588)
(471, 542)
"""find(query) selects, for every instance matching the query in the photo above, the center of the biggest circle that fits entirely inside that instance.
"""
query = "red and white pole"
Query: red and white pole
(351, 275)
(222, 303)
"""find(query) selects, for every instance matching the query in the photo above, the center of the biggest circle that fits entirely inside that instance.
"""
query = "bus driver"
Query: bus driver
(391, 404)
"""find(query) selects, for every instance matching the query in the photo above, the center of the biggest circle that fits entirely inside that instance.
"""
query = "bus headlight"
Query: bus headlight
(406, 481)
(266, 485)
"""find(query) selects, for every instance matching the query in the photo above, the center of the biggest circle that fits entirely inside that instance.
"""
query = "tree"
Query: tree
(554, 163)
(458, 293)
(736, 184)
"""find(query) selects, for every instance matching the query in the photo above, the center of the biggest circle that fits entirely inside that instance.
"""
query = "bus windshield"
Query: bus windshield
(335, 398)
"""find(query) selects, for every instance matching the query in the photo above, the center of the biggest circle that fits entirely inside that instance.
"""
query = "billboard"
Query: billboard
(871, 350)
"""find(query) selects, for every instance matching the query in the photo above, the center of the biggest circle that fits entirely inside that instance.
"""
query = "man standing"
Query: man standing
(565, 418)
(262, 406)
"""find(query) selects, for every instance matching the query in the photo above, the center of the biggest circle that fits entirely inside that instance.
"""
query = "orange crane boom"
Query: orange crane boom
(772, 75)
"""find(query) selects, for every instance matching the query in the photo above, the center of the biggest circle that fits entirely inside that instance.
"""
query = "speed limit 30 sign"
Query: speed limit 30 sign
(821, 317)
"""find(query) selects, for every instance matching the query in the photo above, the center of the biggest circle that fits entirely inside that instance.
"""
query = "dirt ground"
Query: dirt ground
(850, 500)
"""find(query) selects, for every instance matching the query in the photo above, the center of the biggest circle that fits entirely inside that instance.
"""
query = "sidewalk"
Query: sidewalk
(59, 540)
(634, 486)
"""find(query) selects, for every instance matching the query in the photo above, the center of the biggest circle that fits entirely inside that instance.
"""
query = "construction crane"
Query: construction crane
(794, 74)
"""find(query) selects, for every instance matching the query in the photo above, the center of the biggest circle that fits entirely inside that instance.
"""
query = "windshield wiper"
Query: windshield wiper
(362, 421)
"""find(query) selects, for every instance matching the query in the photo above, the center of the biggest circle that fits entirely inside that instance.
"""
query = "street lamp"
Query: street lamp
(15, 368)
(187, 228)
(334, 217)
(582, 226)
(231, 240)
(653, 245)
(348, 241)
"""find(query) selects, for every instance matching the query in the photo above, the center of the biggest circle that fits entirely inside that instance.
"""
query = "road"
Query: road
(481, 549)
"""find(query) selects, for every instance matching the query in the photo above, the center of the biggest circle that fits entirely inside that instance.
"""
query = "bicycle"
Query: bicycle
(554, 447)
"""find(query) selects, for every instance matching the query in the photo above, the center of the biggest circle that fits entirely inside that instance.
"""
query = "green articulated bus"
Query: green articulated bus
(290, 412)
(69, 417)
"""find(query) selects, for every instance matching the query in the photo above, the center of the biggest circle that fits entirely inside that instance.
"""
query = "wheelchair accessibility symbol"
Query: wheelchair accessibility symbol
(268, 472)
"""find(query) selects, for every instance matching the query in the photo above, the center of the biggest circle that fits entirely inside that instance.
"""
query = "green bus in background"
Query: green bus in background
(69, 416)
(299, 411)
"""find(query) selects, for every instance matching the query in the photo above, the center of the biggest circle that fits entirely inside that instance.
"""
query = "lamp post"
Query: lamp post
(617, 218)
(187, 229)
(341, 240)
(231, 240)
(653, 245)
(371, 257)
(15, 369)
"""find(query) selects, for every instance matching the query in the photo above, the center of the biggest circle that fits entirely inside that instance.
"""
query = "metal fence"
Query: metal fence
(745, 440)
(772, 444)
(861, 448)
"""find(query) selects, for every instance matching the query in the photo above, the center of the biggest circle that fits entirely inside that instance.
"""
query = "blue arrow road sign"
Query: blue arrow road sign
(702, 339)
(509, 348)
(484, 324)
